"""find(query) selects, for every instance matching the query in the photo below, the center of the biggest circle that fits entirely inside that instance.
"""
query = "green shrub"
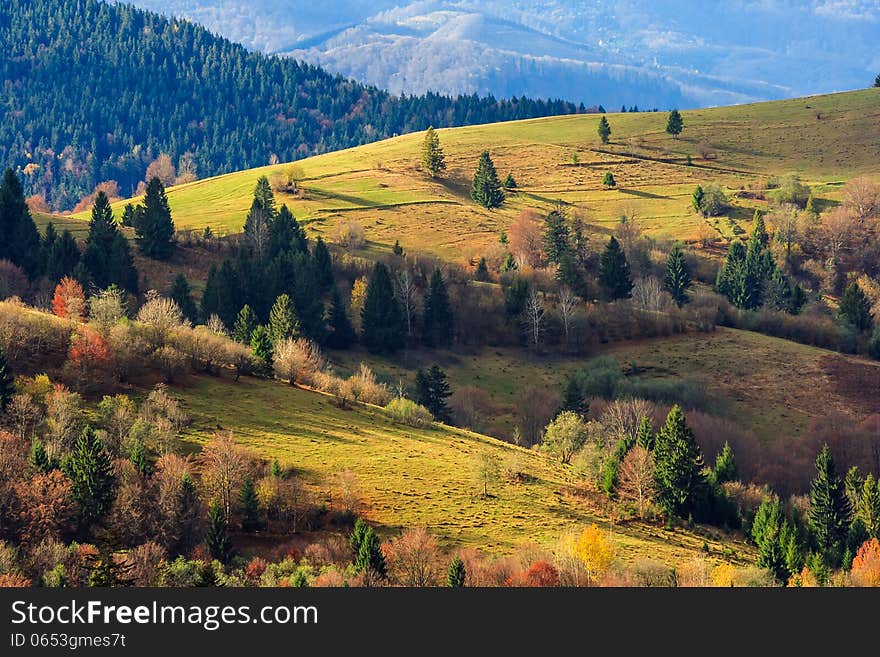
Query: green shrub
(407, 412)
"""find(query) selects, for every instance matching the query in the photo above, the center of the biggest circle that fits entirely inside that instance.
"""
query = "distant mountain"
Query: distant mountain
(94, 92)
(644, 52)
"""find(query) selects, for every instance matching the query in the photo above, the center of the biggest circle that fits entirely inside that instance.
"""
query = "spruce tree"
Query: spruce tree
(140, 459)
(811, 209)
(261, 346)
(222, 294)
(90, 470)
(766, 534)
(356, 538)
(482, 272)
(608, 180)
(39, 458)
(382, 323)
(510, 182)
(729, 278)
(264, 197)
(868, 506)
(437, 320)
(342, 334)
(725, 465)
(19, 237)
(855, 308)
(432, 153)
(557, 239)
(573, 398)
(217, 535)
(486, 188)
(256, 230)
(323, 266)
(677, 464)
(62, 256)
(245, 323)
(283, 323)
(286, 235)
(697, 200)
(678, 275)
(830, 510)
(614, 273)
(604, 130)
(456, 574)
(181, 294)
(155, 227)
(645, 434)
(369, 557)
(432, 391)
(250, 506)
(107, 256)
(7, 382)
(674, 124)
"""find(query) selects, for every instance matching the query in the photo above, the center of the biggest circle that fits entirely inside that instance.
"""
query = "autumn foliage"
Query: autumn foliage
(69, 301)
(89, 350)
(866, 564)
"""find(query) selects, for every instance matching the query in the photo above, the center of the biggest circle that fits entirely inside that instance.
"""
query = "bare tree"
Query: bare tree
(636, 478)
(648, 294)
(224, 466)
(838, 233)
(622, 417)
(534, 316)
(862, 197)
(405, 288)
(256, 229)
(567, 306)
(525, 236)
(787, 229)
(414, 558)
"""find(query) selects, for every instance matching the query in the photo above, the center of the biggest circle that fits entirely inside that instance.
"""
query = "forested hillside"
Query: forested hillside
(94, 92)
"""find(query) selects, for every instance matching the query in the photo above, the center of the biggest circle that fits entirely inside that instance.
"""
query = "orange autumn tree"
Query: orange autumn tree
(866, 564)
(88, 351)
(69, 301)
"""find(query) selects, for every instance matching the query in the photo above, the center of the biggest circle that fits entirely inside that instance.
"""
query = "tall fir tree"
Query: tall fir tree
(90, 470)
(677, 464)
(245, 323)
(486, 188)
(855, 308)
(867, 509)
(39, 458)
(614, 273)
(155, 227)
(674, 123)
(730, 275)
(432, 391)
(556, 238)
(725, 469)
(323, 264)
(250, 506)
(438, 323)
(432, 153)
(697, 199)
(61, 254)
(261, 346)
(217, 535)
(286, 235)
(181, 294)
(767, 534)
(19, 237)
(830, 510)
(570, 273)
(645, 434)
(678, 275)
(369, 558)
(482, 272)
(573, 398)
(7, 382)
(604, 130)
(342, 334)
(264, 197)
(222, 294)
(283, 322)
(456, 574)
(107, 256)
(382, 324)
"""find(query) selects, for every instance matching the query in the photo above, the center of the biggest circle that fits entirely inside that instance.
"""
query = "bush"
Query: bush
(407, 412)
(298, 360)
(366, 389)
(791, 190)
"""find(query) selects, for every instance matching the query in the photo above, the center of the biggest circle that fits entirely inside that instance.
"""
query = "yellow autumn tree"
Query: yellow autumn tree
(595, 551)
(723, 575)
(805, 579)
(866, 565)
(358, 297)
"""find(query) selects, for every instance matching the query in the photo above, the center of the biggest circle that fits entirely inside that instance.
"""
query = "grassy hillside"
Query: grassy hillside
(410, 477)
(825, 139)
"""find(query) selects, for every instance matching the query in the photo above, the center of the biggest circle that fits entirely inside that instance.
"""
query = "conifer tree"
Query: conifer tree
(283, 323)
(766, 534)
(39, 458)
(90, 470)
(222, 294)
(432, 153)
(7, 382)
(257, 227)
(510, 181)
(482, 272)
(486, 188)
(811, 209)
(674, 124)
(62, 255)
(342, 334)
(697, 200)
(264, 197)
(570, 273)
(437, 320)
(382, 323)
(286, 235)
(645, 434)
(677, 463)
(855, 308)
(557, 239)
(432, 391)
(456, 574)
(369, 557)
(155, 227)
(725, 465)
(604, 129)
(181, 294)
(245, 323)
(678, 275)
(261, 346)
(140, 459)
(608, 180)
(250, 506)
(107, 256)
(19, 237)
(323, 266)
(573, 398)
(217, 535)
(830, 510)
(868, 506)
(614, 273)
(730, 275)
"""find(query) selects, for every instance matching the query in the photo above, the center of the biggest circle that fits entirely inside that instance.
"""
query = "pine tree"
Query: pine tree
(766, 533)
(140, 459)
(432, 391)
(759, 231)
(510, 182)
(437, 320)
(286, 235)
(725, 465)
(257, 226)
(342, 334)
(62, 256)
(323, 266)
(645, 434)
(382, 323)
(264, 197)
(432, 153)
(674, 124)
(456, 574)
(855, 308)
(697, 200)
(573, 398)
(482, 272)
(283, 322)
(509, 263)
(678, 275)
(155, 227)
(277, 471)
(250, 506)
(608, 180)
(486, 189)
(730, 275)
(217, 535)
(19, 237)
(181, 294)
(604, 130)
(7, 382)
(830, 510)
(557, 239)
(107, 256)
(261, 346)
(677, 463)
(614, 274)
(792, 542)
(90, 470)
(356, 538)
(39, 458)
(369, 557)
(245, 323)
(868, 506)
(570, 273)
(222, 294)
